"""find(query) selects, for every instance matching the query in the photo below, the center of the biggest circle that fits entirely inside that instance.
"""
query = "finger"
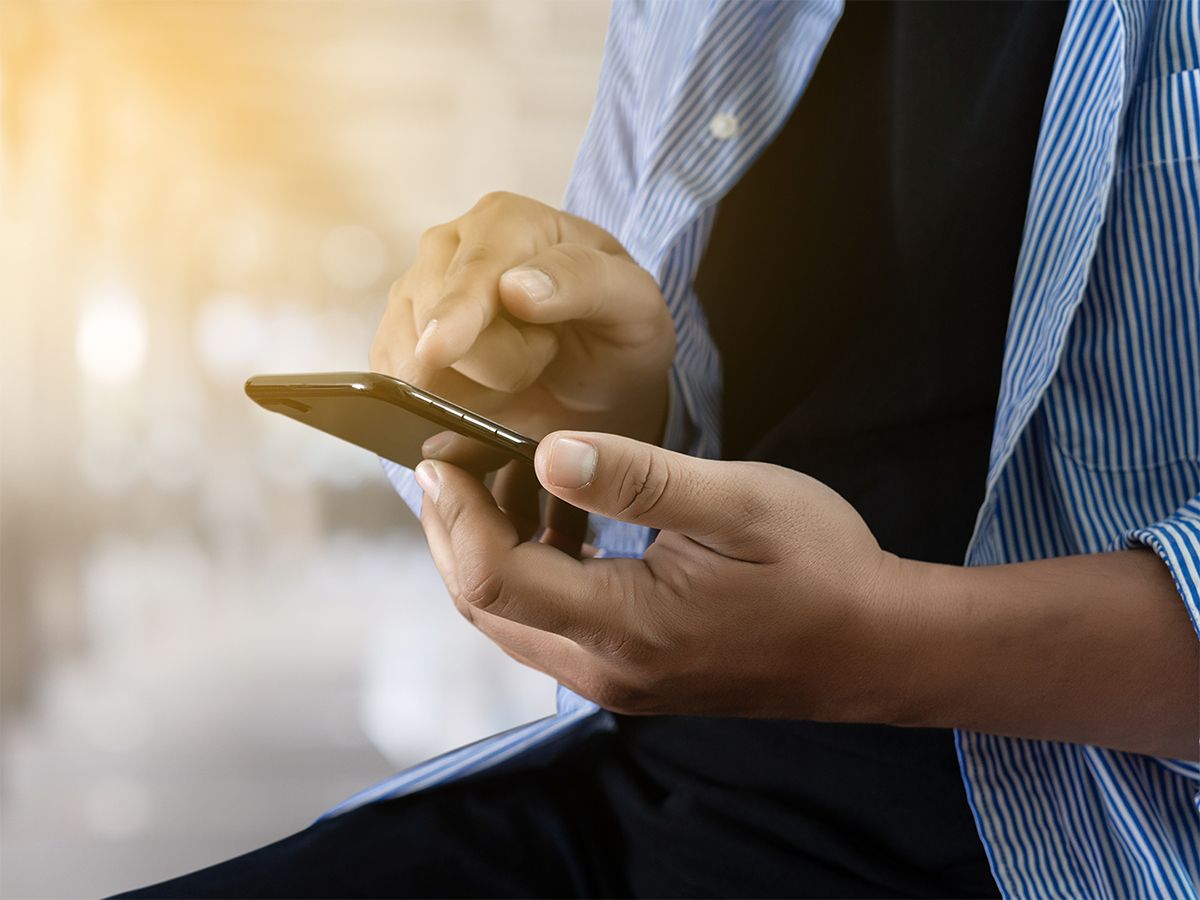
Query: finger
(529, 583)
(516, 491)
(440, 548)
(466, 453)
(550, 653)
(393, 347)
(507, 357)
(396, 338)
(569, 282)
(624, 479)
(468, 303)
(566, 526)
(541, 650)
(450, 385)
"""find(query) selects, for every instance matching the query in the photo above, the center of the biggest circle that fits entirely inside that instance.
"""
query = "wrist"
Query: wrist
(907, 600)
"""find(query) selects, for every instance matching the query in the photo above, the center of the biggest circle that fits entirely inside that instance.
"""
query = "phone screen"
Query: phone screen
(379, 413)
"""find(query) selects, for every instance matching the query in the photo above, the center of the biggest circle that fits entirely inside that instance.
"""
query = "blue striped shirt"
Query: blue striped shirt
(1097, 436)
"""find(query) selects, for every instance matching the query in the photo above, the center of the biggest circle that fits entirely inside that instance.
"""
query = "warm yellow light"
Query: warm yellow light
(230, 336)
(352, 257)
(110, 342)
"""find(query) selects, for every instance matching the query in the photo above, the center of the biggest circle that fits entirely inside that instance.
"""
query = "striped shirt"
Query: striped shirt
(1096, 444)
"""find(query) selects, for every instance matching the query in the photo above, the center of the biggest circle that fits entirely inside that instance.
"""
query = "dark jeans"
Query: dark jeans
(626, 812)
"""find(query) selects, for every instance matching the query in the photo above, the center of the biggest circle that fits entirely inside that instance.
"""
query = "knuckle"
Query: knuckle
(464, 608)
(493, 200)
(575, 256)
(510, 218)
(434, 237)
(620, 694)
(472, 255)
(482, 590)
(642, 485)
(574, 262)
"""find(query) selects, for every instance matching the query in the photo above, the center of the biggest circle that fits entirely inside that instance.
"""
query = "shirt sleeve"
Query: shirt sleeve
(680, 431)
(404, 483)
(1176, 540)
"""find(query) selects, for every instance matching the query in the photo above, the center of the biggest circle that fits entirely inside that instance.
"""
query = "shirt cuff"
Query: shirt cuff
(405, 484)
(1176, 540)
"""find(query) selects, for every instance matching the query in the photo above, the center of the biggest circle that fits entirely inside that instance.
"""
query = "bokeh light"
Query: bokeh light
(111, 458)
(230, 336)
(111, 337)
(216, 622)
(352, 257)
(175, 452)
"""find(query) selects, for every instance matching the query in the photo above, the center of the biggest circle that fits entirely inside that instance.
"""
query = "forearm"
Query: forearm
(1091, 649)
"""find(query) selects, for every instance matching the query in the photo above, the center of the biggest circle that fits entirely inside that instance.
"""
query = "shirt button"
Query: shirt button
(723, 126)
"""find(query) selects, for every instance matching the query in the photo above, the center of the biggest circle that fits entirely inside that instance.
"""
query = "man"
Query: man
(752, 667)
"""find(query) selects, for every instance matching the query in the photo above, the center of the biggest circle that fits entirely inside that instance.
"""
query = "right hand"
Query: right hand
(592, 355)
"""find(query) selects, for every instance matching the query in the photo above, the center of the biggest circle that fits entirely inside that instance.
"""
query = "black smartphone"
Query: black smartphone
(379, 413)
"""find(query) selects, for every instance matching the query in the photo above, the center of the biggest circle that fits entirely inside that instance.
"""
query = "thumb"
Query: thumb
(570, 282)
(643, 484)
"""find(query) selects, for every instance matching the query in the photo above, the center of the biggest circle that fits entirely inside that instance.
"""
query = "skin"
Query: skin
(463, 323)
(593, 355)
(764, 594)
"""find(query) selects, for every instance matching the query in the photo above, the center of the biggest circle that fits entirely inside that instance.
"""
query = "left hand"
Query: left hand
(764, 594)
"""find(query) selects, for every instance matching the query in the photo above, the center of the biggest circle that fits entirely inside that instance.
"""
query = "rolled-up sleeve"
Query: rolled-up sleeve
(1176, 540)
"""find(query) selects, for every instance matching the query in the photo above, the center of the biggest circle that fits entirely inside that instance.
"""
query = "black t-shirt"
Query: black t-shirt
(857, 283)
(858, 277)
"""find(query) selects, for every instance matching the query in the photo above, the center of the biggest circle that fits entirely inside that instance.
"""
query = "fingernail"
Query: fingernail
(572, 463)
(425, 336)
(534, 282)
(429, 479)
(433, 447)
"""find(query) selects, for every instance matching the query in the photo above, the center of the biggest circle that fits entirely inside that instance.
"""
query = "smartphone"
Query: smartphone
(379, 413)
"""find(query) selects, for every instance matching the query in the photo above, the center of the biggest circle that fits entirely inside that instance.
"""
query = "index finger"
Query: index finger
(469, 302)
(533, 584)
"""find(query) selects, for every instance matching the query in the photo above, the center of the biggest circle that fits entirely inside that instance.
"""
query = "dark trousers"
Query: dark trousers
(611, 813)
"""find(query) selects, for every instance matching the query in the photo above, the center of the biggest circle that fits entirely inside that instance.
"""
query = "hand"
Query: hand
(764, 594)
(534, 317)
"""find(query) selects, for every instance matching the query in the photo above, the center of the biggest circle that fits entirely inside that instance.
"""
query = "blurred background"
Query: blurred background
(217, 623)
